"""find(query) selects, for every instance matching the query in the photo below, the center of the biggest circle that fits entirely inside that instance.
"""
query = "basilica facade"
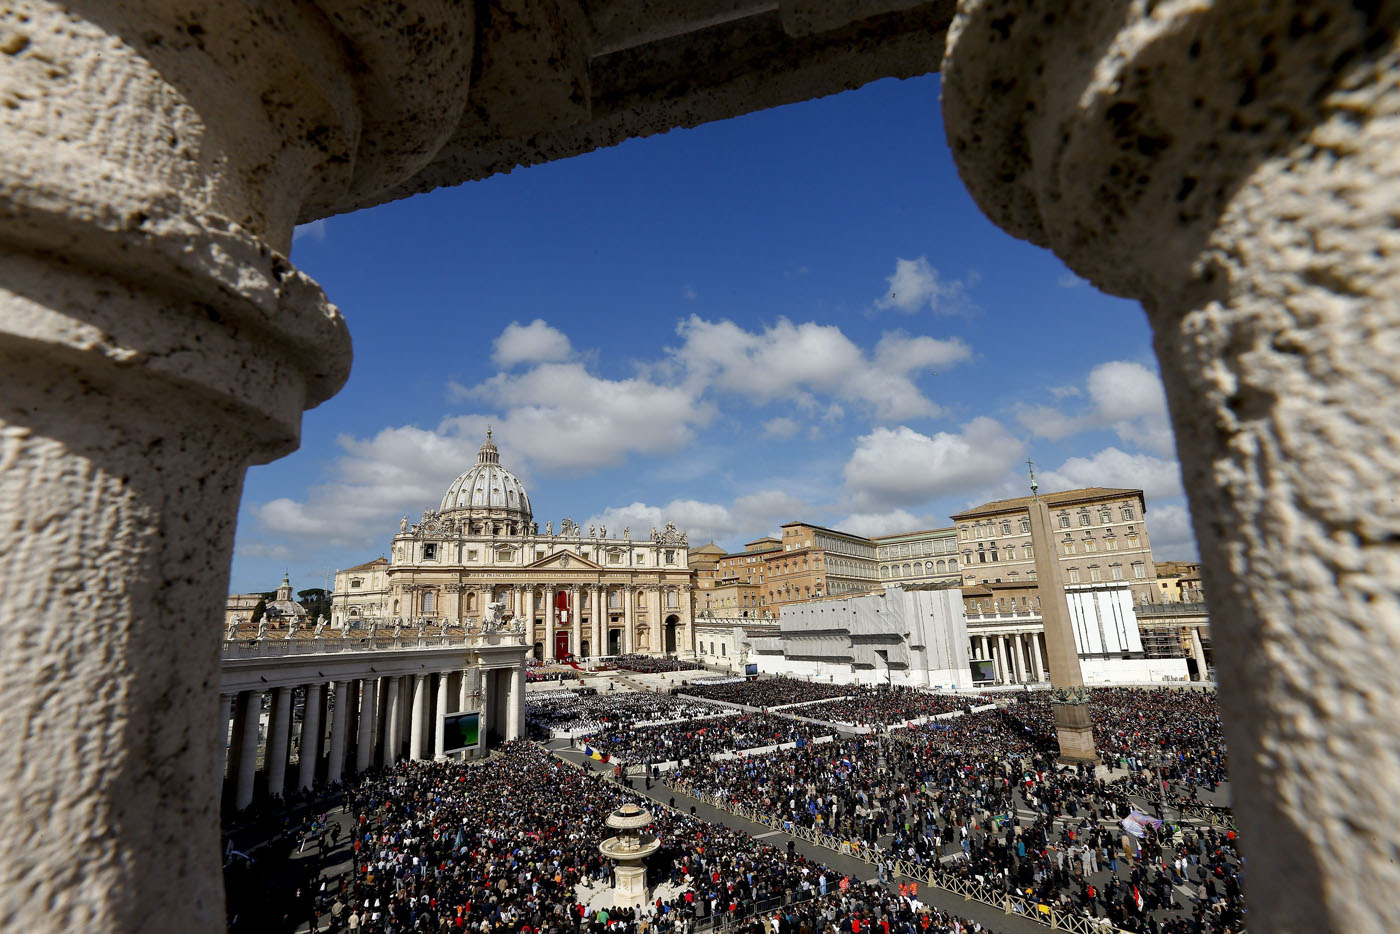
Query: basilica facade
(577, 593)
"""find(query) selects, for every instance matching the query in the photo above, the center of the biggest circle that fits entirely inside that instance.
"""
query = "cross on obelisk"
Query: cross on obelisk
(1068, 698)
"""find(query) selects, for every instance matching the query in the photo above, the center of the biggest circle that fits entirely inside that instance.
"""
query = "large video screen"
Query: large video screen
(461, 731)
(983, 669)
(751, 669)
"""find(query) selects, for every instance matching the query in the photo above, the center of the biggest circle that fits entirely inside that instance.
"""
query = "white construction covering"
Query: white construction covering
(915, 637)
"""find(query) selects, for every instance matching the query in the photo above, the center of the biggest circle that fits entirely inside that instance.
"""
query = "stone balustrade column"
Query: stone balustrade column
(278, 733)
(155, 160)
(1235, 167)
(250, 715)
(340, 718)
(310, 736)
(369, 702)
(420, 709)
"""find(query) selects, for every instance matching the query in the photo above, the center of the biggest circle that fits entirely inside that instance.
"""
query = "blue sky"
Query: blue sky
(797, 314)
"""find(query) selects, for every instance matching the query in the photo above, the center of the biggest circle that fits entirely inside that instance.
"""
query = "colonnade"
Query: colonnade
(1019, 656)
(348, 725)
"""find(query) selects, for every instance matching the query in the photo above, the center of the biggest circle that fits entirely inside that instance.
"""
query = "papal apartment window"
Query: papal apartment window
(1005, 527)
(1129, 514)
(1064, 520)
(1025, 525)
(1083, 518)
(1069, 548)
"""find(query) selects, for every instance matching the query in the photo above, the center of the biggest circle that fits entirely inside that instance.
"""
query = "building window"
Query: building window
(952, 564)
(356, 582)
(1117, 570)
(980, 532)
(1105, 516)
(430, 552)
(1069, 548)
(1025, 525)
(1026, 552)
(1005, 526)
(962, 534)
(1094, 573)
(1090, 545)
(1139, 571)
(429, 602)
(942, 567)
(670, 598)
(1074, 575)
(884, 572)
(724, 648)
(1064, 520)
(1129, 514)
(1084, 517)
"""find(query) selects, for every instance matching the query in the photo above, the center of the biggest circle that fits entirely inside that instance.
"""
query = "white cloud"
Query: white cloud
(1123, 396)
(561, 417)
(899, 466)
(871, 524)
(1170, 532)
(399, 470)
(748, 516)
(1069, 280)
(270, 550)
(1159, 478)
(690, 293)
(1066, 392)
(797, 362)
(916, 285)
(779, 428)
(535, 342)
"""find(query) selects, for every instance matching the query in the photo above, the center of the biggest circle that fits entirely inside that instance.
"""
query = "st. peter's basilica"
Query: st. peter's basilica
(576, 592)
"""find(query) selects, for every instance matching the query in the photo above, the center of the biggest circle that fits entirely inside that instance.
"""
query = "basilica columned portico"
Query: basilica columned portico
(578, 594)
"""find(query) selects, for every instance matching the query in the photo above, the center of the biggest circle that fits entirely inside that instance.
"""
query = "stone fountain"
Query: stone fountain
(627, 850)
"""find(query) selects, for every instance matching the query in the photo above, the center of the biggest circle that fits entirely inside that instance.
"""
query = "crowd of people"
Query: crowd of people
(612, 712)
(699, 740)
(770, 692)
(883, 707)
(979, 797)
(651, 664)
(509, 845)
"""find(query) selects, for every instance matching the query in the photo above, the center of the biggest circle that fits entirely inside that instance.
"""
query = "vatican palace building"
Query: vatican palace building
(579, 593)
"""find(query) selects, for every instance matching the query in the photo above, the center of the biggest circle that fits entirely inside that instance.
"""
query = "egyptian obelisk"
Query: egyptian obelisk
(1069, 699)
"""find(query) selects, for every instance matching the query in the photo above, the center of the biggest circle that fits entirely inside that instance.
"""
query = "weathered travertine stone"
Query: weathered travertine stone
(1237, 168)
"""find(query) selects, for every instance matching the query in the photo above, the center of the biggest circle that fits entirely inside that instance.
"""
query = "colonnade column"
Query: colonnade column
(654, 620)
(629, 602)
(687, 619)
(549, 622)
(444, 687)
(484, 726)
(275, 756)
(985, 652)
(576, 621)
(250, 713)
(310, 736)
(515, 715)
(1198, 652)
(228, 720)
(599, 621)
(340, 717)
(369, 702)
(1036, 657)
(415, 728)
(999, 656)
(530, 595)
(1018, 655)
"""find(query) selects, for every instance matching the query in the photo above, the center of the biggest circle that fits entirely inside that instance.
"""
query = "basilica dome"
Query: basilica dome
(487, 486)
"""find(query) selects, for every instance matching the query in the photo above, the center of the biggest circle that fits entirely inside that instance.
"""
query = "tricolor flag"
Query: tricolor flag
(592, 753)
